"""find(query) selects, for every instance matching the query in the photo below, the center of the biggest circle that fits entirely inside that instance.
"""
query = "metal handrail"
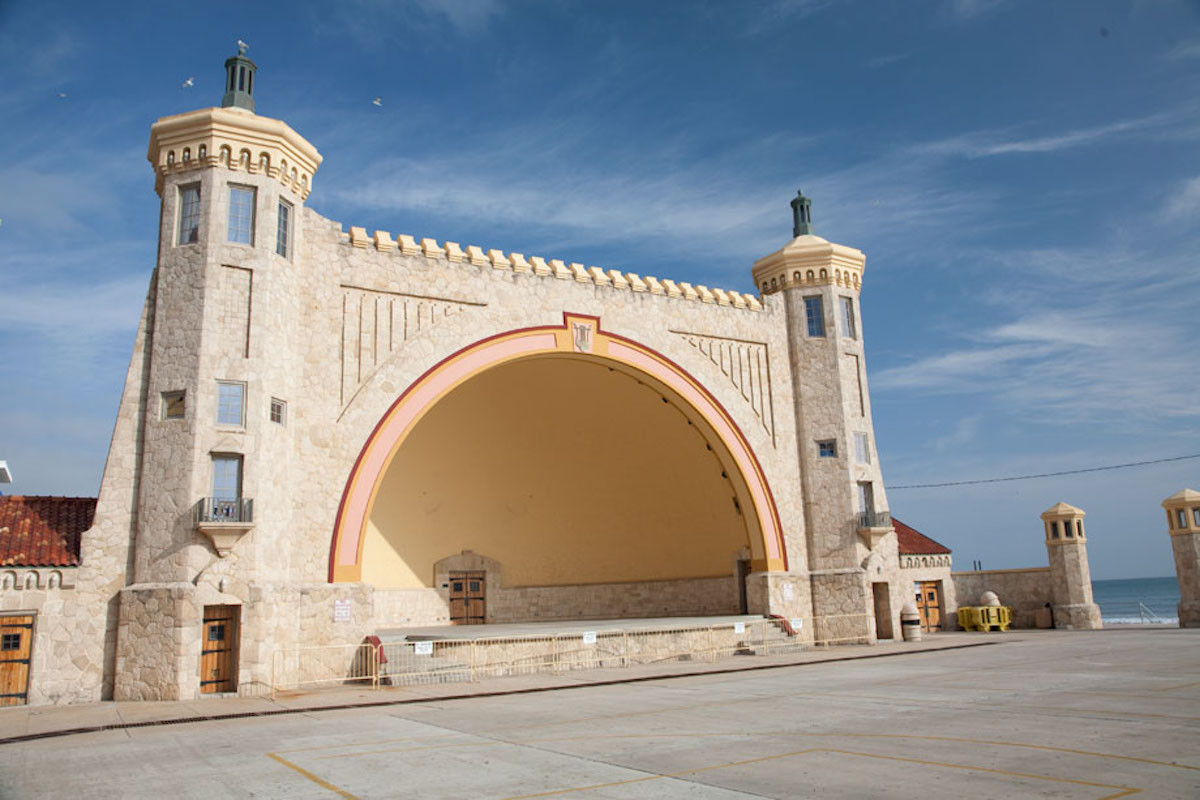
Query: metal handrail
(220, 509)
(446, 660)
(1146, 612)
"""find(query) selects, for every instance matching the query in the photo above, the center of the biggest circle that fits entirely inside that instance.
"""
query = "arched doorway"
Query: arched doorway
(566, 457)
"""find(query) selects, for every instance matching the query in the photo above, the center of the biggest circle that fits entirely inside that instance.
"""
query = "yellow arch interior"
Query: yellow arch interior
(565, 469)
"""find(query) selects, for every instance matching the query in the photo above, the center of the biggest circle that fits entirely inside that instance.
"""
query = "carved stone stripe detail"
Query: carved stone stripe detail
(747, 367)
(376, 323)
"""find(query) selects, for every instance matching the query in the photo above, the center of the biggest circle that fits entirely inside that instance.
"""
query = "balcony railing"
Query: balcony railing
(874, 519)
(217, 510)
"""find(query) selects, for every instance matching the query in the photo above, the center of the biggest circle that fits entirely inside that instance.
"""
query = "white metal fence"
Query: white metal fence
(455, 660)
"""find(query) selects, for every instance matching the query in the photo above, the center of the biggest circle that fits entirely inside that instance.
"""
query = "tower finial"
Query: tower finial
(801, 215)
(239, 80)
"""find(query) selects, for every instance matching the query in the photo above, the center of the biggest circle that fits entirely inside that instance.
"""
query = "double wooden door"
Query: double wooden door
(929, 605)
(219, 649)
(16, 645)
(468, 598)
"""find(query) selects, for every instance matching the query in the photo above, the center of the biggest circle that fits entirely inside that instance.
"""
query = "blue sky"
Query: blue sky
(1024, 178)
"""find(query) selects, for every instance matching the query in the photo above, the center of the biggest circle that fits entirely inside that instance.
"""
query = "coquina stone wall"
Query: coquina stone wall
(1025, 591)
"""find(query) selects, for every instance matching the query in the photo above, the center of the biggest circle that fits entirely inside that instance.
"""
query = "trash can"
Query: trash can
(910, 623)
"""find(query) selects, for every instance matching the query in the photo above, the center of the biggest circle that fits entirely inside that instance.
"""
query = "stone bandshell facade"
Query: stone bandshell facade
(341, 327)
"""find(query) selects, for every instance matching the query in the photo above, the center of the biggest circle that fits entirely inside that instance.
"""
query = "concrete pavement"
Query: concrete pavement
(1102, 714)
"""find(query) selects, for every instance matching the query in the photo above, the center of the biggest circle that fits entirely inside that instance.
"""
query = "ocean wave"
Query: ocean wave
(1141, 620)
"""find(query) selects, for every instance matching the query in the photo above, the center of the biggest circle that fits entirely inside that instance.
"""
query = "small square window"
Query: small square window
(174, 404)
(241, 214)
(827, 449)
(862, 448)
(216, 633)
(278, 411)
(10, 641)
(231, 403)
(814, 310)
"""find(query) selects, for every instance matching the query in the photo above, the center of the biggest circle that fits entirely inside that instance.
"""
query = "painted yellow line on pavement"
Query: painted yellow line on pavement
(1123, 791)
(904, 736)
(324, 784)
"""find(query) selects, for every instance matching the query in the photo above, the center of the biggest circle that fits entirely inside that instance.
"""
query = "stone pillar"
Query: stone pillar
(1070, 577)
(1183, 523)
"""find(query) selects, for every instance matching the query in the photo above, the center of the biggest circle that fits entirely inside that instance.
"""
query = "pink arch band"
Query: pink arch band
(418, 398)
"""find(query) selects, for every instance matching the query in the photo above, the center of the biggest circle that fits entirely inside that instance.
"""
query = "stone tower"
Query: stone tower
(849, 533)
(1183, 523)
(215, 381)
(1070, 577)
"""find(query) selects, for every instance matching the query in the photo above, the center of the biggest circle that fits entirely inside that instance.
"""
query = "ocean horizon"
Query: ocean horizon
(1138, 600)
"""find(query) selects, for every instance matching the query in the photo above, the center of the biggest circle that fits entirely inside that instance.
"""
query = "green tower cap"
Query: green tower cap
(239, 80)
(801, 215)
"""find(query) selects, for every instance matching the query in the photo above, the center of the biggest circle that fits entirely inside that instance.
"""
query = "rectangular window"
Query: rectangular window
(227, 477)
(866, 497)
(231, 403)
(189, 214)
(241, 214)
(862, 448)
(174, 404)
(1196, 517)
(283, 232)
(1181, 518)
(814, 309)
(827, 449)
(849, 329)
(278, 411)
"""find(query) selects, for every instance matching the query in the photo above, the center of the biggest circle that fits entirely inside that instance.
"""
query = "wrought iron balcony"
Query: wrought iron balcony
(223, 521)
(874, 519)
(873, 526)
(217, 510)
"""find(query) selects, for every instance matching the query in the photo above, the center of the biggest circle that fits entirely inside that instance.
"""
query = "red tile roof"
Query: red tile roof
(43, 531)
(915, 543)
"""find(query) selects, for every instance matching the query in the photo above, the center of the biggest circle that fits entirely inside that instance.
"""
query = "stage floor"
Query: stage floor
(552, 627)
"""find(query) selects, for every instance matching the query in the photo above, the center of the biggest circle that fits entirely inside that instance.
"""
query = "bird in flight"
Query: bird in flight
(189, 83)
(378, 101)
(61, 95)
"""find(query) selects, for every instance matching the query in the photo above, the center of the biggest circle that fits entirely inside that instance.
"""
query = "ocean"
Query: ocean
(1119, 599)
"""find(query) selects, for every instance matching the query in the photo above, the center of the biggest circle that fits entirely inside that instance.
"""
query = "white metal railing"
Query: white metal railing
(458, 660)
(1148, 615)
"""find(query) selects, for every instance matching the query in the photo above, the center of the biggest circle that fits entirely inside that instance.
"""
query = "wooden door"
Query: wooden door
(883, 611)
(468, 598)
(16, 645)
(219, 649)
(929, 605)
(743, 572)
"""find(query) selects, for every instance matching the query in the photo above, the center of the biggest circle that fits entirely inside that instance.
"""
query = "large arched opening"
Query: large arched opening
(573, 478)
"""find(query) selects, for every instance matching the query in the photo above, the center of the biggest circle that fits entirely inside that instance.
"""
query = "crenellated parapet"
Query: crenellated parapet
(555, 268)
(809, 260)
(234, 139)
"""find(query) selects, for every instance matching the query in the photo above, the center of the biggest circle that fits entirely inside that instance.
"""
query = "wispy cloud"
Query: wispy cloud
(1184, 51)
(880, 62)
(995, 143)
(963, 433)
(1184, 202)
(1115, 351)
(966, 10)
(377, 23)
